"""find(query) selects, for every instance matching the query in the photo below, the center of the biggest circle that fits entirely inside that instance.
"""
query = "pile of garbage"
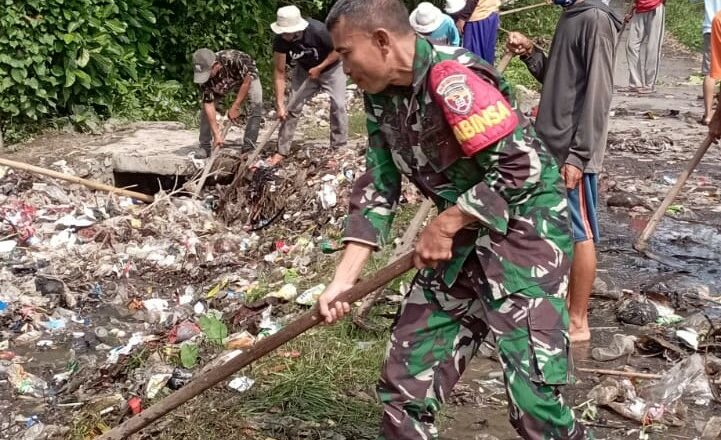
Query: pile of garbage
(684, 331)
(107, 304)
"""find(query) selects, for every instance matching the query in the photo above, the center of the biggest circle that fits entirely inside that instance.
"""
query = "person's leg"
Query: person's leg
(472, 41)
(633, 51)
(437, 331)
(255, 115)
(655, 30)
(205, 138)
(491, 25)
(334, 82)
(708, 82)
(582, 206)
(532, 342)
(287, 129)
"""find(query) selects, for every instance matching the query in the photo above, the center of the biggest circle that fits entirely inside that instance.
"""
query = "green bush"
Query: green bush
(56, 54)
(187, 25)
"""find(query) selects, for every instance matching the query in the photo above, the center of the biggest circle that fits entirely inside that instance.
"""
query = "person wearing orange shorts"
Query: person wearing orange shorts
(714, 127)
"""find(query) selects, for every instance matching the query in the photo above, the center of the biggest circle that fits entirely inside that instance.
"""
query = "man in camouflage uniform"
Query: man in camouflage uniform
(217, 75)
(497, 256)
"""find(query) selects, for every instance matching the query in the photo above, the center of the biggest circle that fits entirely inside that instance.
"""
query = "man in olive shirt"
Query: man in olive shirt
(218, 74)
(308, 43)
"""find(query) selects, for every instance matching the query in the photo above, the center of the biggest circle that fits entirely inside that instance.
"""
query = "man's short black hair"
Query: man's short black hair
(371, 14)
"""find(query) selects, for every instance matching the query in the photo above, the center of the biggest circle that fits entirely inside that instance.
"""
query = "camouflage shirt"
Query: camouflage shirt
(513, 188)
(235, 66)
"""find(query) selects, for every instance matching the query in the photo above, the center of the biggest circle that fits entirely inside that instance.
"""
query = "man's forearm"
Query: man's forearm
(210, 114)
(279, 80)
(243, 91)
(330, 59)
(453, 220)
(351, 264)
(536, 64)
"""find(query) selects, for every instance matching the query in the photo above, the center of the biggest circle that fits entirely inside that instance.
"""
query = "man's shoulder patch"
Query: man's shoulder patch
(477, 112)
(456, 94)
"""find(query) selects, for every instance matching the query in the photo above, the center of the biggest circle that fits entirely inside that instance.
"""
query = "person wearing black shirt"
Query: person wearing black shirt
(307, 43)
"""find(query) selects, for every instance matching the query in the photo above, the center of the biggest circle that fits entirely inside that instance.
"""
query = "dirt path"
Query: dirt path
(651, 138)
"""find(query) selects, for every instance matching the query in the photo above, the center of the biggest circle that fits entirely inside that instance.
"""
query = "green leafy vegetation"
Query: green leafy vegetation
(539, 25)
(684, 20)
(57, 56)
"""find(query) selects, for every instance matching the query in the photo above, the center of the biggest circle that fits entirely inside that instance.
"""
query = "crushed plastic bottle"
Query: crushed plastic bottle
(241, 384)
(621, 345)
(268, 325)
(310, 296)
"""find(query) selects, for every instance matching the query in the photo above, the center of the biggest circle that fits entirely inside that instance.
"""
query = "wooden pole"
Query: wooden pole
(265, 346)
(405, 246)
(505, 61)
(631, 374)
(524, 8)
(211, 161)
(642, 243)
(75, 179)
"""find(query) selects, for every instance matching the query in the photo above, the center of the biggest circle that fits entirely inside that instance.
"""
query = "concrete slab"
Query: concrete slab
(163, 148)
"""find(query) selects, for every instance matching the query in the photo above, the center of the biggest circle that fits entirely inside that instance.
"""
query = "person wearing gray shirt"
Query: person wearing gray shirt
(577, 79)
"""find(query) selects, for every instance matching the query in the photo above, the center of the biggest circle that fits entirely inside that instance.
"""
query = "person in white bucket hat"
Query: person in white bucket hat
(454, 6)
(307, 43)
(433, 24)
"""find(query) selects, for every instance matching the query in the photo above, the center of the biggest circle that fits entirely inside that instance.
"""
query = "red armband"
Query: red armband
(476, 111)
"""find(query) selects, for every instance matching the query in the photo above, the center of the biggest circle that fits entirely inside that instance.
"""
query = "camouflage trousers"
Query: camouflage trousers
(437, 332)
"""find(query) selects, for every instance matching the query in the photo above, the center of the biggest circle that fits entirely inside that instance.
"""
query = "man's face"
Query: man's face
(364, 55)
(294, 36)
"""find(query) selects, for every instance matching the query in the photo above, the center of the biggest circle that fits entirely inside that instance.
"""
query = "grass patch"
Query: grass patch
(357, 123)
(356, 127)
(684, 20)
(323, 383)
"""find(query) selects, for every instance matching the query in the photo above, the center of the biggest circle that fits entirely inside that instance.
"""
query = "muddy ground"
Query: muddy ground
(651, 138)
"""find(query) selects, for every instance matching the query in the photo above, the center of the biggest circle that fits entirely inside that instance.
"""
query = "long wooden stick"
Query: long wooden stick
(211, 161)
(505, 61)
(523, 8)
(642, 243)
(534, 44)
(75, 179)
(265, 346)
(631, 374)
(405, 246)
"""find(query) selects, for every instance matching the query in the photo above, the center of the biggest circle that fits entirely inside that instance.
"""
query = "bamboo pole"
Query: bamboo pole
(523, 8)
(405, 246)
(642, 242)
(630, 374)
(75, 179)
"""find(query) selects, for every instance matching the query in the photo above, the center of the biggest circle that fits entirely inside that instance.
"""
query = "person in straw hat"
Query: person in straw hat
(478, 22)
(433, 24)
(307, 43)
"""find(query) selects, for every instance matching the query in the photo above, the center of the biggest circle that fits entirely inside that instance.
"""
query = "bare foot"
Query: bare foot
(579, 333)
(275, 160)
(705, 120)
